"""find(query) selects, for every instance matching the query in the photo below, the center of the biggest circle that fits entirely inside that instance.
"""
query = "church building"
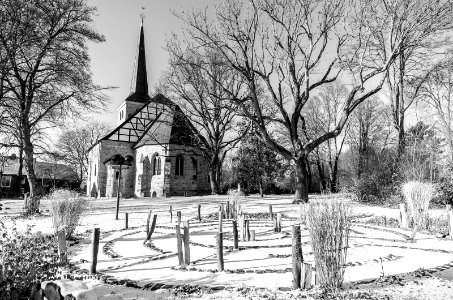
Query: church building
(162, 142)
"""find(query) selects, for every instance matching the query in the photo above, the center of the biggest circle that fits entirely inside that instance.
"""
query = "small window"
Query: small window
(117, 174)
(157, 165)
(95, 170)
(194, 167)
(179, 166)
(6, 181)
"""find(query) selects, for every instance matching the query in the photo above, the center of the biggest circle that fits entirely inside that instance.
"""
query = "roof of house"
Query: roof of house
(42, 170)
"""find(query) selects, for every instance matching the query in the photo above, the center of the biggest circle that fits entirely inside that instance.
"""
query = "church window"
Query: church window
(194, 167)
(179, 165)
(157, 165)
(95, 170)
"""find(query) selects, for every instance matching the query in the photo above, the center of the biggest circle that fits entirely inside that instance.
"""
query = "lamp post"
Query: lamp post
(120, 161)
(3, 160)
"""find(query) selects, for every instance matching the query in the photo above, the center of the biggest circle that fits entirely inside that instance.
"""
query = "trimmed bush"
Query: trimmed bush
(329, 223)
(27, 258)
(418, 195)
(66, 208)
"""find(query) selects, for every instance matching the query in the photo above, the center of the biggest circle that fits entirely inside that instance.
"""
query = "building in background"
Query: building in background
(163, 142)
(50, 175)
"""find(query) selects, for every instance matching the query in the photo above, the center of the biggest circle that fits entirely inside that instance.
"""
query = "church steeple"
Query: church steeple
(140, 94)
(141, 84)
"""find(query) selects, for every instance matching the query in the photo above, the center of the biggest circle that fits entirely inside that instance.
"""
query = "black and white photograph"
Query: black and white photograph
(226, 149)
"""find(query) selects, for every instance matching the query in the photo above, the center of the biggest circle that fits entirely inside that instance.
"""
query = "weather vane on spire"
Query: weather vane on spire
(142, 15)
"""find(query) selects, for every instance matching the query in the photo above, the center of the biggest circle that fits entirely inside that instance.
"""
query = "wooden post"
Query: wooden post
(279, 222)
(220, 218)
(297, 256)
(62, 246)
(94, 249)
(227, 210)
(252, 235)
(235, 235)
(247, 230)
(199, 212)
(171, 214)
(450, 223)
(153, 226)
(147, 223)
(219, 243)
(179, 244)
(241, 227)
(126, 220)
(178, 215)
(404, 218)
(186, 243)
(118, 195)
(448, 207)
(235, 215)
(271, 215)
(307, 275)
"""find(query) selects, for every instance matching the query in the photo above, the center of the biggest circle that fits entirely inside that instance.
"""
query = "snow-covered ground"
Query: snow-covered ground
(374, 251)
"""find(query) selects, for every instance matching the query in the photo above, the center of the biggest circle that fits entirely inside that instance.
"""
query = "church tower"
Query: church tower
(140, 96)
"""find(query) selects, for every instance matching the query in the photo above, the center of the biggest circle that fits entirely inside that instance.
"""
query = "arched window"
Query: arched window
(157, 165)
(194, 167)
(179, 170)
(94, 169)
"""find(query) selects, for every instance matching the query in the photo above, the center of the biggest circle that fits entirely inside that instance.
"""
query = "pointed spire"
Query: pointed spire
(141, 85)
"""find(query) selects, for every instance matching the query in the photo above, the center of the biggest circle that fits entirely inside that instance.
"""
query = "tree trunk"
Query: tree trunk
(301, 177)
(20, 172)
(214, 184)
(33, 202)
(322, 178)
(260, 183)
(334, 177)
(400, 94)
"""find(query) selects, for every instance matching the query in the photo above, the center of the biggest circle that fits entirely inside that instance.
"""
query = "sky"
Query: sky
(112, 61)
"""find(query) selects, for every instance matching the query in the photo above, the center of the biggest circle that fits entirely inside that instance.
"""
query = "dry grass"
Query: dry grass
(329, 223)
(418, 195)
(66, 209)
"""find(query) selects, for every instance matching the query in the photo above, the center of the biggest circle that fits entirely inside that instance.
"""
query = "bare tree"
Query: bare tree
(46, 70)
(292, 48)
(73, 147)
(320, 116)
(419, 28)
(437, 93)
(205, 102)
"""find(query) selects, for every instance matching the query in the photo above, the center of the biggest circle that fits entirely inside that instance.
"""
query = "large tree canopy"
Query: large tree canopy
(45, 70)
(292, 48)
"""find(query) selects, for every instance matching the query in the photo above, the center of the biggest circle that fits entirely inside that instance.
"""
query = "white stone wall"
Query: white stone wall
(155, 183)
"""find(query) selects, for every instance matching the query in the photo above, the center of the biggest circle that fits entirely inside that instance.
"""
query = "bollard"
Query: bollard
(252, 235)
(227, 210)
(178, 215)
(241, 227)
(153, 226)
(171, 214)
(235, 235)
(219, 244)
(296, 256)
(199, 212)
(94, 249)
(279, 222)
(220, 219)
(147, 223)
(271, 215)
(179, 245)
(186, 243)
(247, 230)
(126, 221)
